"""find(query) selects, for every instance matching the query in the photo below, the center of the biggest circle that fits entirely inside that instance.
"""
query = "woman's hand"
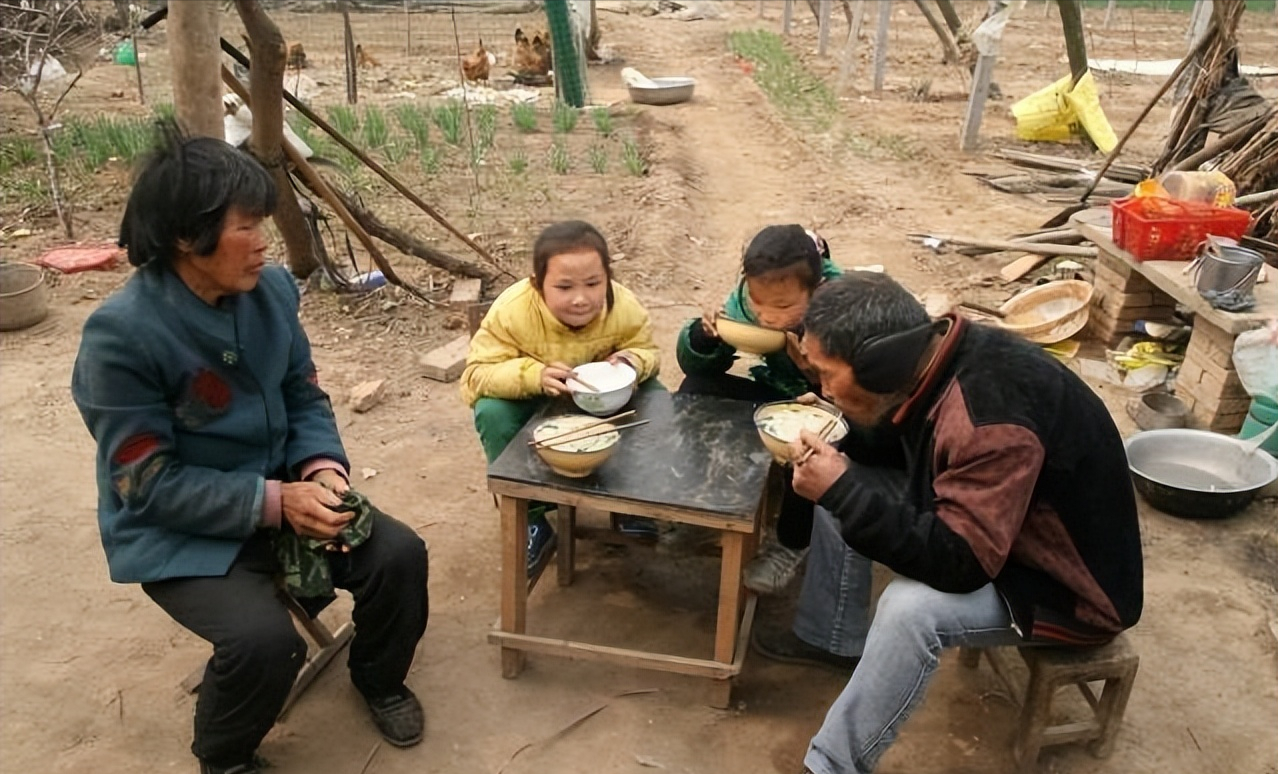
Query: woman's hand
(554, 379)
(308, 507)
(815, 473)
(331, 480)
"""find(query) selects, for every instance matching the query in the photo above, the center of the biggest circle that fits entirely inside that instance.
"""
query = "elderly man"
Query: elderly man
(1012, 520)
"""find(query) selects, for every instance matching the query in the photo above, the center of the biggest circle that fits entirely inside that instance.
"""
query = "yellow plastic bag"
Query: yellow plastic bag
(1057, 113)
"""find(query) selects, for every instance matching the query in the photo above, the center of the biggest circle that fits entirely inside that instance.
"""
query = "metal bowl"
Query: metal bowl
(24, 295)
(666, 91)
(1195, 474)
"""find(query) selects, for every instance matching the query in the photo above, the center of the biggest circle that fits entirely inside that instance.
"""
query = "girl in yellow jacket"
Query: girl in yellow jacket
(570, 312)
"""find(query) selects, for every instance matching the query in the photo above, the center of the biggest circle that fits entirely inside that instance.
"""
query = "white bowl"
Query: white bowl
(663, 91)
(615, 385)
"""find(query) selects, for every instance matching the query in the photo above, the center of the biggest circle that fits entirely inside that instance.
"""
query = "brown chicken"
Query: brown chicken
(365, 59)
(475, 65)
(532, 57)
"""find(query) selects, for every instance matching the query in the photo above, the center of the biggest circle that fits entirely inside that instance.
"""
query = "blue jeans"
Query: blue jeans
(912, 623)
(834, 603)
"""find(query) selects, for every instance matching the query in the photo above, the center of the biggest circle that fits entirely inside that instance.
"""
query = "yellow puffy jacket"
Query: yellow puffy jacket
(519, 330)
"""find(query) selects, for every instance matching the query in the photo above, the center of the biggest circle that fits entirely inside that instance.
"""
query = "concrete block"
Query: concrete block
(446, 363)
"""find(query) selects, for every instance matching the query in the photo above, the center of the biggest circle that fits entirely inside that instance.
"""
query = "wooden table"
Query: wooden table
(1128, 290)
(699, 461)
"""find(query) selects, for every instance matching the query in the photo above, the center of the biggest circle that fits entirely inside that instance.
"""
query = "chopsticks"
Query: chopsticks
(826, 429)
(597, 431)
(548, 441)
(575, 377)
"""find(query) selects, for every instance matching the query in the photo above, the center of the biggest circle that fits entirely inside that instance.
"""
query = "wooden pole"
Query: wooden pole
(408, 31)
(137, 66)
(849, 48)
(1199, 20)
(197, 93)
(969, 135)
(823, 26)
(348, 39)
(1075, 40)
(758, 9)
(787, 16)
(1109, 11)
(880, 44)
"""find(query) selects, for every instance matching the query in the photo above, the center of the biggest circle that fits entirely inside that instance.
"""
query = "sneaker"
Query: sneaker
(637, 527)
(398, 717)
(773, 569)
(781, 644)
(541, 544)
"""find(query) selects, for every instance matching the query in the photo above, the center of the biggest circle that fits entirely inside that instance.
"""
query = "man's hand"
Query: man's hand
(814, 475)
(554, 379)
(331, 480)
(308, 506)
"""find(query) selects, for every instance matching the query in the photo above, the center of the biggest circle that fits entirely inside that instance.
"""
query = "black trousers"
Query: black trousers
(257, 652)
(794, 521)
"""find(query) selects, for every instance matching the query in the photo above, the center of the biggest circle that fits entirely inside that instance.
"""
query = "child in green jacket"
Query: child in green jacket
(781, 269)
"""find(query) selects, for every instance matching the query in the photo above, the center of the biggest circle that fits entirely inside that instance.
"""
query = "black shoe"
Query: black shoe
(781, 644)
(398, 717)
(541, 544)
(253, 766)
(637, 527)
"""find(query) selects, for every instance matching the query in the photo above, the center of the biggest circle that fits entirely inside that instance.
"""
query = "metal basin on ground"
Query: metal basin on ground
(1195, 474)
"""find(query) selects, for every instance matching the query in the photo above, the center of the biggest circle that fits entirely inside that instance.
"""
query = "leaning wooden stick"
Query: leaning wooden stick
(591, 434)
(825, 431)
(605, 420)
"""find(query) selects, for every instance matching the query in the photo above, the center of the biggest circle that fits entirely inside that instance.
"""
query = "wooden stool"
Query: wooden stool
(328, 643)
(1050, 668)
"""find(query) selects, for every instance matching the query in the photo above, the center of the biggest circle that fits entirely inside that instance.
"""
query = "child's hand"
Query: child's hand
(621, 358)
(795, 351)
(708, 320)
(554, 379)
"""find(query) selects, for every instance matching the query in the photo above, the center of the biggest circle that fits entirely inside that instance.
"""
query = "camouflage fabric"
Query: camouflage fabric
(304, 560)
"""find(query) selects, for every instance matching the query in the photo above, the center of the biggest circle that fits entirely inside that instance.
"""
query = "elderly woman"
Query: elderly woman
(214, 439)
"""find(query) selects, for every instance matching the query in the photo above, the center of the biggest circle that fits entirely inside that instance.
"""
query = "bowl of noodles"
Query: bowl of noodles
(575, 454)
(780, 423)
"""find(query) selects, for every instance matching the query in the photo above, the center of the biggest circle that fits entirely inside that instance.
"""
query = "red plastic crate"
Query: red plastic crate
(1156, 229)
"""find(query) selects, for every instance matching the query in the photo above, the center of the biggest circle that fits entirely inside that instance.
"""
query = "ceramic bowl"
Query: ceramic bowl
(750, 338)
(1048, 313)
(615, 385)
(575, 459)
(779, 424)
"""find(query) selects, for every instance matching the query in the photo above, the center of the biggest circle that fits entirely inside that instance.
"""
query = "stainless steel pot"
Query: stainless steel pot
(1195, 474)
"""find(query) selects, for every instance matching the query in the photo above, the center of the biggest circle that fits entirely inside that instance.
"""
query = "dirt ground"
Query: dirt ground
(89, 671)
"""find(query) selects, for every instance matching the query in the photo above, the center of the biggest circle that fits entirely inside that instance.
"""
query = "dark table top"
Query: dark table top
(697, 453)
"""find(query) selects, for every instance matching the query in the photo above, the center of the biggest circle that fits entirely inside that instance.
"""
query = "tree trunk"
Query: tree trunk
(193, 49)
(951, 16)
(950, 48)
(352, 81)
(266, 91)
(1075, 42)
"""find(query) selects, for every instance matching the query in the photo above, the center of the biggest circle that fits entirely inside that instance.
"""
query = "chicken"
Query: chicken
(365, 59)
(475, 65)
(532, 57)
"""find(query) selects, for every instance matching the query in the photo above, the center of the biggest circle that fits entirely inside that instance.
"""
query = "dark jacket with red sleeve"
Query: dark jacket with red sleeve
(1016, 475)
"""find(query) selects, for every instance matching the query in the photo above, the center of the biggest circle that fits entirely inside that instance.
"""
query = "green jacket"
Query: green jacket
(777, 370)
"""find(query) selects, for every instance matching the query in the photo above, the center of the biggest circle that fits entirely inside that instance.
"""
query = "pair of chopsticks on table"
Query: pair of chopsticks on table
(595, 427)
(826, 429)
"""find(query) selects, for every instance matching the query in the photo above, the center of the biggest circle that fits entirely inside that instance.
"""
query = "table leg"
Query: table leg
(567, 549)
(514, 578)
(731, 594)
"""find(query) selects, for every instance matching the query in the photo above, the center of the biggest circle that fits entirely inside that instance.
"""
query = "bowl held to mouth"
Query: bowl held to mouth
(779, 425)
(753, 339)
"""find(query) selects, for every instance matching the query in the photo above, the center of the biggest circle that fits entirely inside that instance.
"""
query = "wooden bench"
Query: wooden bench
(1052, 668)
